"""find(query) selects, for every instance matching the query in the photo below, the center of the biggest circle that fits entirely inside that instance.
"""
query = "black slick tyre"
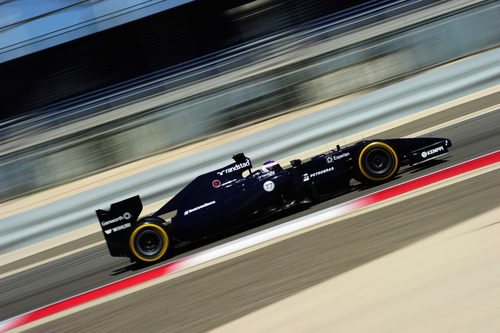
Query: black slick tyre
(149, 242)
(378, 162)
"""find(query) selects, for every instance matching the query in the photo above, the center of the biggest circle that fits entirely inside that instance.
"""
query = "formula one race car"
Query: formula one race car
(234, 195)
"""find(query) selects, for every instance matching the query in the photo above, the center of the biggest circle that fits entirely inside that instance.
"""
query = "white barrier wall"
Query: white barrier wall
(395, 101)
(196, 112)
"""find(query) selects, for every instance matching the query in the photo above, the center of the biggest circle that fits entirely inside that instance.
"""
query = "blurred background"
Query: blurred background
(141, 96)
(89, 85)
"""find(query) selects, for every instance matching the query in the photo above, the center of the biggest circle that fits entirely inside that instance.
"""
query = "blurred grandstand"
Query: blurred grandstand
(56, 98)
(167, 50)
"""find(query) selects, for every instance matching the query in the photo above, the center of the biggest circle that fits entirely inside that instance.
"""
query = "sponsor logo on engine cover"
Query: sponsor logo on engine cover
(430, 152)
(118, 228)
(318, 173)
(125, 216)
(269, 186)
(216, 183)
(189, 211)
(234, 168)
(305, 177)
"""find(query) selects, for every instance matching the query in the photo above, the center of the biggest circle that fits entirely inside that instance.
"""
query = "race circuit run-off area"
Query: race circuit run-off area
(251, 240)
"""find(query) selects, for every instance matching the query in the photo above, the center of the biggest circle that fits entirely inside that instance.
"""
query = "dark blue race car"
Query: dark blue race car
(234, 195)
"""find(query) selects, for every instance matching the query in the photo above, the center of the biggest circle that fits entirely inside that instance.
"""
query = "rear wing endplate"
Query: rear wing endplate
(117, 223)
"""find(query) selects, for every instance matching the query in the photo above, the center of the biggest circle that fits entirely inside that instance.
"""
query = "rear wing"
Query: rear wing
(117, 223)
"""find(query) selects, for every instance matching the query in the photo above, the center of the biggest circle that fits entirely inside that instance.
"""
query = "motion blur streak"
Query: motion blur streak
(93, 294)
(251, 240)
(430, 179)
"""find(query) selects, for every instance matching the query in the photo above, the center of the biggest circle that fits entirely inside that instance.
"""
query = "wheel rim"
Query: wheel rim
(148, 243)
(378, 162)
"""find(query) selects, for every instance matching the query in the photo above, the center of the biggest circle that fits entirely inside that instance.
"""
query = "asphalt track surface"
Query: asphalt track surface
(212, 296)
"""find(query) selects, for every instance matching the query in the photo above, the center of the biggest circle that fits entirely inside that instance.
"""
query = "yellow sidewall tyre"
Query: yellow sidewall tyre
(149, 243)
(378, 162)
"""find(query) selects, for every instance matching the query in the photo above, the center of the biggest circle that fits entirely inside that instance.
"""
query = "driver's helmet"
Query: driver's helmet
(270, 166)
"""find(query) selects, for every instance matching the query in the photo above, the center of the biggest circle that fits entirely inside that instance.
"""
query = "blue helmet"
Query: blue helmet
(270, 166)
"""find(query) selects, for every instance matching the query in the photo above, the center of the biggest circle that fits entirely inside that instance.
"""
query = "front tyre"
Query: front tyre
(149, 242)
(377, 162)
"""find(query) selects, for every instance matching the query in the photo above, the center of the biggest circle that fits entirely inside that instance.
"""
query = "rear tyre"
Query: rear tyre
(149, 242)
(378, 162)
